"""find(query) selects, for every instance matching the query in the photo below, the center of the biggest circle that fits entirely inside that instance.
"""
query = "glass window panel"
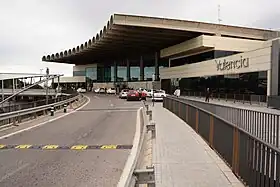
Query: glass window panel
(148, 73)
(122, 73)
(79, 73)
(91, 73)
(134, 73)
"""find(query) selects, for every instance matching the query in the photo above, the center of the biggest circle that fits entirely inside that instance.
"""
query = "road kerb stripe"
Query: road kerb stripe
(65, 147)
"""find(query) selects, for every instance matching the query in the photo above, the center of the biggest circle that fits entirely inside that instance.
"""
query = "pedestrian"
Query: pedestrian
(177, 92)
(207, 95)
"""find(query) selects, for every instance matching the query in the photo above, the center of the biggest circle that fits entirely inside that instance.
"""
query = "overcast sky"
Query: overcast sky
(30, 29)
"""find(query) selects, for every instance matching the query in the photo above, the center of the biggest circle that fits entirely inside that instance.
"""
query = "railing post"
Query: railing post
(196, 120)
(234, 98)
(65, 108)
(243, 98)
(235, 152)
(52, 111)
(211, 131)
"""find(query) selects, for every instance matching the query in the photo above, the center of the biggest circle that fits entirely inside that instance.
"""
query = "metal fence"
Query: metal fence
(21, 106)
(256, 162)
(241, 98)
(264, 125)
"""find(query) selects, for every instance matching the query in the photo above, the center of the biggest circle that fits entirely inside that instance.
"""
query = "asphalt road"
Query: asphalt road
(92, 125)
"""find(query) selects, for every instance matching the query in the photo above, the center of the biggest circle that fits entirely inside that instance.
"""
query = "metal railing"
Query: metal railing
(15, 107)
(263, 125)
(138, 169)
(256, 162)
(240, 98)
(20, 115)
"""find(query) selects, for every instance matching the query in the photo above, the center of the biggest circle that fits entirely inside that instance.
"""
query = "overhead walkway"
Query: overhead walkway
(183, 159)
(30, 92)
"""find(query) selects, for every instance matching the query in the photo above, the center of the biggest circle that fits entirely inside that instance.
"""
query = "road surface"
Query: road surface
(92, 125)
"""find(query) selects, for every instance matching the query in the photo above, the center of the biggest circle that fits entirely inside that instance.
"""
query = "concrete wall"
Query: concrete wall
(83, 67)
(203, 42)
(71, 79)
(259, 60)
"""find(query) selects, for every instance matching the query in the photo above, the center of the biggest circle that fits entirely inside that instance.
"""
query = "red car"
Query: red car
(134, 95)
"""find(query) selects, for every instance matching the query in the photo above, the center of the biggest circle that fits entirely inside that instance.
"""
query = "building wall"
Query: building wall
(70, 79)
(259, 60)
(83, 67)
(203, 42)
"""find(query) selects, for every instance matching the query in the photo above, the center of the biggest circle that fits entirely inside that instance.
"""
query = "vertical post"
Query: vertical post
(24, 82)
(141, 69)
(156, 66)
(127, 70)
(2, 90)
(13, 86)
(47, 86)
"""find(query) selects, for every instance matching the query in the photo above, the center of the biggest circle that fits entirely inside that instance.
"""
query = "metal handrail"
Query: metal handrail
(18, 113)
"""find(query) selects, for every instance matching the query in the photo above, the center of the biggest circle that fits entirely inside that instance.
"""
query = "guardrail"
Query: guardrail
(256, 162)
(17, 116)
(241, 98)
(21, 106)
(138, 168)
(263, 125)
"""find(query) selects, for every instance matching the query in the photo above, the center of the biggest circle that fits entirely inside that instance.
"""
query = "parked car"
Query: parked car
(100, 90)
(158, 95)
(135, 95)
(81, 90)
(123, 94)
(111, 91)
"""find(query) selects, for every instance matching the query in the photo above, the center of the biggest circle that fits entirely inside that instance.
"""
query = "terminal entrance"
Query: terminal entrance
(247, 83)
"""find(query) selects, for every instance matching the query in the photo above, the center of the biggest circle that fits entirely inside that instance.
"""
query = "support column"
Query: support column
(273, 77)
(115, 71)
(13, 86)
(2, 90)
(156, 66)
(141, 69)
(128, 70)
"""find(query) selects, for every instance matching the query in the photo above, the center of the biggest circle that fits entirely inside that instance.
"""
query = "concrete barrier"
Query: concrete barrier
(138, 169)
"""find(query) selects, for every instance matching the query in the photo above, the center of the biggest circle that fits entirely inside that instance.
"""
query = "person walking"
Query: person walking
(208, 94)
(177, 92)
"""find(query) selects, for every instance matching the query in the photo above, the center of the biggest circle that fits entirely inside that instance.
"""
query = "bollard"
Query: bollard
(52, 111)
(147, 107)
(65, 108)
(150, 116)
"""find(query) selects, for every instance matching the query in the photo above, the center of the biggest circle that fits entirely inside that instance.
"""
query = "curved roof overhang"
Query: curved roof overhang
(125, 35)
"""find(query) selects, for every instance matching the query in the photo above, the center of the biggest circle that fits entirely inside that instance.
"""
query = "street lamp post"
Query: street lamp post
(47, 86)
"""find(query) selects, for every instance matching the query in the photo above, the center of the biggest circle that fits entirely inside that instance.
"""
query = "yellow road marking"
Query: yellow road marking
(50, 147)
(2, 146)
(23, 146)
(109, 147)
(79, 147)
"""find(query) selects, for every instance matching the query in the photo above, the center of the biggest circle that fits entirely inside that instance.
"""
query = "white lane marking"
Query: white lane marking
(97, 97)
(14, 172)
(40, 124)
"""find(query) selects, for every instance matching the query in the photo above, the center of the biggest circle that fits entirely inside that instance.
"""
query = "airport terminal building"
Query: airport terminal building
(149, 52)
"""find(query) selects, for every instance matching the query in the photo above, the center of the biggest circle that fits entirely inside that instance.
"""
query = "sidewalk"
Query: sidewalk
(183, 159)
(253, 107)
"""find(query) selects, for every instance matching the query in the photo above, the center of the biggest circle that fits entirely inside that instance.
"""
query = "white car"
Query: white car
(111, 91)
(81, 90)
(123, 94)
(99, 90)
(158, 95)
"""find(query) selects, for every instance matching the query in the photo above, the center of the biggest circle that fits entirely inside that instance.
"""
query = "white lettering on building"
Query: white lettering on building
(223, 65)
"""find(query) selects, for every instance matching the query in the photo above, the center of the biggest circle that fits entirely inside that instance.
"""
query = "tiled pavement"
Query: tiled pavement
(183, 159)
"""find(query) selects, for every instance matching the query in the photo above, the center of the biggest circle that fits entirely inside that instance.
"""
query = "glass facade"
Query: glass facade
(148, 73)
(135, 73)
(121, 73)
(79, 73)
(91, 74)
